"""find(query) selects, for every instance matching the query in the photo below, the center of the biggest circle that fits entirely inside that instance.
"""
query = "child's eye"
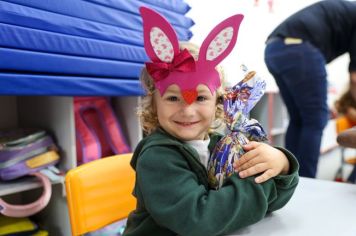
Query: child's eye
(172, 98)
(201, 98)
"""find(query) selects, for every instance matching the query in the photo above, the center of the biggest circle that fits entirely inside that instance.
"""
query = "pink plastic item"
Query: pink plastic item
(31, 208)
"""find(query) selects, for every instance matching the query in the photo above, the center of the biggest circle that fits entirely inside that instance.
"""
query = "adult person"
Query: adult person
(296, 54)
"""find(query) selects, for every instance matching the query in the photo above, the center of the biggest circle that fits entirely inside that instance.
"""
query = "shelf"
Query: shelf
(23, 184)
(53, 52)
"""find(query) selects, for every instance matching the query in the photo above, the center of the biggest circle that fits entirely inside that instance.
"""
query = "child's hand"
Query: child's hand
(261, 158)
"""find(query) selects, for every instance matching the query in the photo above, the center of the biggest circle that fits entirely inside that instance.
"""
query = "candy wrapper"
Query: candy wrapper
(238, 102)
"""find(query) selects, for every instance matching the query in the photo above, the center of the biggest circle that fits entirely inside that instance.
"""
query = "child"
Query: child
(346, 110)
(346, 105)
(183, 100)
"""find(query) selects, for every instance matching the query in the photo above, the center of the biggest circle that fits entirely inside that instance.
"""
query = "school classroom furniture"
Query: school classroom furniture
(318, 207)
(52, 51)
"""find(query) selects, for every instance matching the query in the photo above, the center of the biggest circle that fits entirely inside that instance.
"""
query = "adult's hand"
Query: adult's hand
(347, 138)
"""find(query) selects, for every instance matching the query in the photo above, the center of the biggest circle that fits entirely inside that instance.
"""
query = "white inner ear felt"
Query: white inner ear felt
(219, 44)
(161, 45)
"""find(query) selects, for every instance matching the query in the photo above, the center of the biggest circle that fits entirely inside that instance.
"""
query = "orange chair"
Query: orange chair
(342, 124)
(99, 193)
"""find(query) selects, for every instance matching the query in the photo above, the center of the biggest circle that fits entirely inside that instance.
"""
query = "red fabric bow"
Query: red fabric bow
(183, 62)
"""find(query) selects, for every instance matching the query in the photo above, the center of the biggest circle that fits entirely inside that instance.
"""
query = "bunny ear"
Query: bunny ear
(160, 39)
(220, 41)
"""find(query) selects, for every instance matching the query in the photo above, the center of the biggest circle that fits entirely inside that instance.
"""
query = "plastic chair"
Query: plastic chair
(99, 193)
(344, 124)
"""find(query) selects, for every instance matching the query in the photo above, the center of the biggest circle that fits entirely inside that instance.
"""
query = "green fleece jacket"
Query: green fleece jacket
(173, 195)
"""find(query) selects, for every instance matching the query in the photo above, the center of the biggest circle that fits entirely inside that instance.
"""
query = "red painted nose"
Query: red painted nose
(190, 96)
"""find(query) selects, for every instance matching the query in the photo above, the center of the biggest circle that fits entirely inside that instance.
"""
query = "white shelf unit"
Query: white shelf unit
(272, 114)
(56, 115)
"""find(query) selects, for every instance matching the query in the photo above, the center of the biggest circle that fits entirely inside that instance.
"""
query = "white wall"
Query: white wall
(256, 26)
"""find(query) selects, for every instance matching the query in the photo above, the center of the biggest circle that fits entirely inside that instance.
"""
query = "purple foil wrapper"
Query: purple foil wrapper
(238, 102)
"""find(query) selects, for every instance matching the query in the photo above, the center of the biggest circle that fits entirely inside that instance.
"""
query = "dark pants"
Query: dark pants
(299, 71)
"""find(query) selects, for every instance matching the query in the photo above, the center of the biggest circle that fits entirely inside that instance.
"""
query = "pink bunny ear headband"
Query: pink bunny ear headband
(172, 66)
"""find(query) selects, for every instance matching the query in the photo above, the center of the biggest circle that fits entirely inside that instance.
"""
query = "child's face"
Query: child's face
(183, 121)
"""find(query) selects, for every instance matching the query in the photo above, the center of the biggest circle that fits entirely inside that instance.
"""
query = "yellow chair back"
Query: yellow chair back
(99, 193)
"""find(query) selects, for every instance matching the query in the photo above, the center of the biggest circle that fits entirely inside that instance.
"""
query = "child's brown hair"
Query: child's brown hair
(344, 102)
(146, 110)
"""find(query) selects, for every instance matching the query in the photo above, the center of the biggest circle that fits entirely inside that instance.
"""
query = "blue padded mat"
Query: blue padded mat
(133, 6)
(177, 5)
(92, 12)
(31, 84)
(78, 47)
(38, 19)
(32, 18)
(65, 65)
(43, 41)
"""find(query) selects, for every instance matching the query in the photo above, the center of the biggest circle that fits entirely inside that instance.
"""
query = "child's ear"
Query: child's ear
(153, 103)
(220, 99)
